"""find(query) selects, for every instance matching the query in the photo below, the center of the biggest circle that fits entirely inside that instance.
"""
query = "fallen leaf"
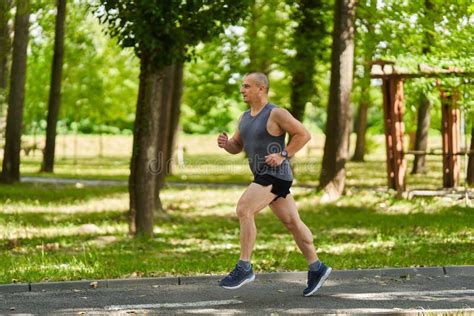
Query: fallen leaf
(406, 277)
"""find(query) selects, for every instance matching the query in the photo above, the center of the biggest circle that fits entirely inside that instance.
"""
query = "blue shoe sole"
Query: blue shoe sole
(320, 283)
(239, 285)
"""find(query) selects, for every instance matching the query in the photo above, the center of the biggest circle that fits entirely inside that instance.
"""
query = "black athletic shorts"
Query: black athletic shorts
(279, 187)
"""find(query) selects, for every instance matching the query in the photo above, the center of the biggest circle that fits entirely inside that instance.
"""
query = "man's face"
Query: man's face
(251, 90)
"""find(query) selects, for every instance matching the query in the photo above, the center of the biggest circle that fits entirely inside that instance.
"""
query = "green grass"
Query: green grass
(43, 236)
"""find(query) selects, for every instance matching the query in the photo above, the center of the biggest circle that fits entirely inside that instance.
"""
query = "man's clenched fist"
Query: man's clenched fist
(222, 140)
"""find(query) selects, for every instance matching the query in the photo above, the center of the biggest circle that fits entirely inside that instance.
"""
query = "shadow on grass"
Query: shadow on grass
(54, 219)
(43, 194)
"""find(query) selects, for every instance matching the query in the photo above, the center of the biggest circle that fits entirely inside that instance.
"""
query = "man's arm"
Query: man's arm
(232, 145)
(298, 133)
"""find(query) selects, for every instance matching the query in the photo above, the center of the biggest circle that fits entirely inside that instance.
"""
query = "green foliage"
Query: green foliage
(268, 34)
(100, 80)
(99, 83)
(263, 42)
(310, 32)
(211, 96)
(166, 31)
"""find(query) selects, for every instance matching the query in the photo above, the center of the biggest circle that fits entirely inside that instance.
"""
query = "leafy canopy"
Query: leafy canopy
(165, 30)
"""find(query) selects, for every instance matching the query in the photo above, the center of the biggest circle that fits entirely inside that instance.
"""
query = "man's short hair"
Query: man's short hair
(261, 79)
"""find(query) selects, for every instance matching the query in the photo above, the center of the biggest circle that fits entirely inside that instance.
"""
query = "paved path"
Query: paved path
(380, 291)
(97, 182)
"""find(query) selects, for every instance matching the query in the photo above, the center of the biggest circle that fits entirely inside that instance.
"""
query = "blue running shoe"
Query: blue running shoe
(238, 277)
(316, 279)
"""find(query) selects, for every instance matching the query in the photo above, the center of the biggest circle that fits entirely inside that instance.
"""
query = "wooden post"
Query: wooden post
(392, 87)
(451, 132)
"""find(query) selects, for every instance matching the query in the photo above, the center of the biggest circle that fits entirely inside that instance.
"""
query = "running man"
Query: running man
(261, 134)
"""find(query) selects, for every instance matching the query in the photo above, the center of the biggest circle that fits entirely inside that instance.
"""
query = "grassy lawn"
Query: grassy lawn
(52, 232)
(70, 232)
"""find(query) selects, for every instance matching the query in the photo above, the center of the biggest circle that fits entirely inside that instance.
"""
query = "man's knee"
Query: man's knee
(291, 223)
(294, 225)
(243, 210)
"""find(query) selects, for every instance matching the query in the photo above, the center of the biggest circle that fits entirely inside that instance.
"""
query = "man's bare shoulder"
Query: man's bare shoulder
(279, 114)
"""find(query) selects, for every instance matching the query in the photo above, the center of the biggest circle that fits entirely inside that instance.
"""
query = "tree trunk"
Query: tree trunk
(252, 33)
(173, 85)
(333, 175)
(259, 58)
(11, 158)
(4, 44)
(423, 118)
(133, 161)
(470, 166)
(310, 30)
(175, 110)
(5, 53)
(359, 151)
(161, 165)
(55, 89)
(365, 101)
(142, 178)
(421, 139)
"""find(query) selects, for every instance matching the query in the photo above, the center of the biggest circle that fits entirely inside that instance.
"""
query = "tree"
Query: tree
(211, 100)
(173, 88)
(55, 88)
(5, 50)
(424, 117)
(266, 34)
(307, 38)
(161, 33)
(164, 133)
(4, 44)
(11, 157)
(365, 50)
(175, 107)
(263, 42)
(99, 81)
(470, 166)
(332, 178)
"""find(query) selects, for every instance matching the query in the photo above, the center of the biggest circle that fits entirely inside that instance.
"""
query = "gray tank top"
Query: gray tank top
(258, 143)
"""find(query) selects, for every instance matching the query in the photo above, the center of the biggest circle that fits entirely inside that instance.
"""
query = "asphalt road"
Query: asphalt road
(392, 291)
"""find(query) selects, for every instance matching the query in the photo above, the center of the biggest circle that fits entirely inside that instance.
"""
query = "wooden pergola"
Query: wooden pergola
(394, 106)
